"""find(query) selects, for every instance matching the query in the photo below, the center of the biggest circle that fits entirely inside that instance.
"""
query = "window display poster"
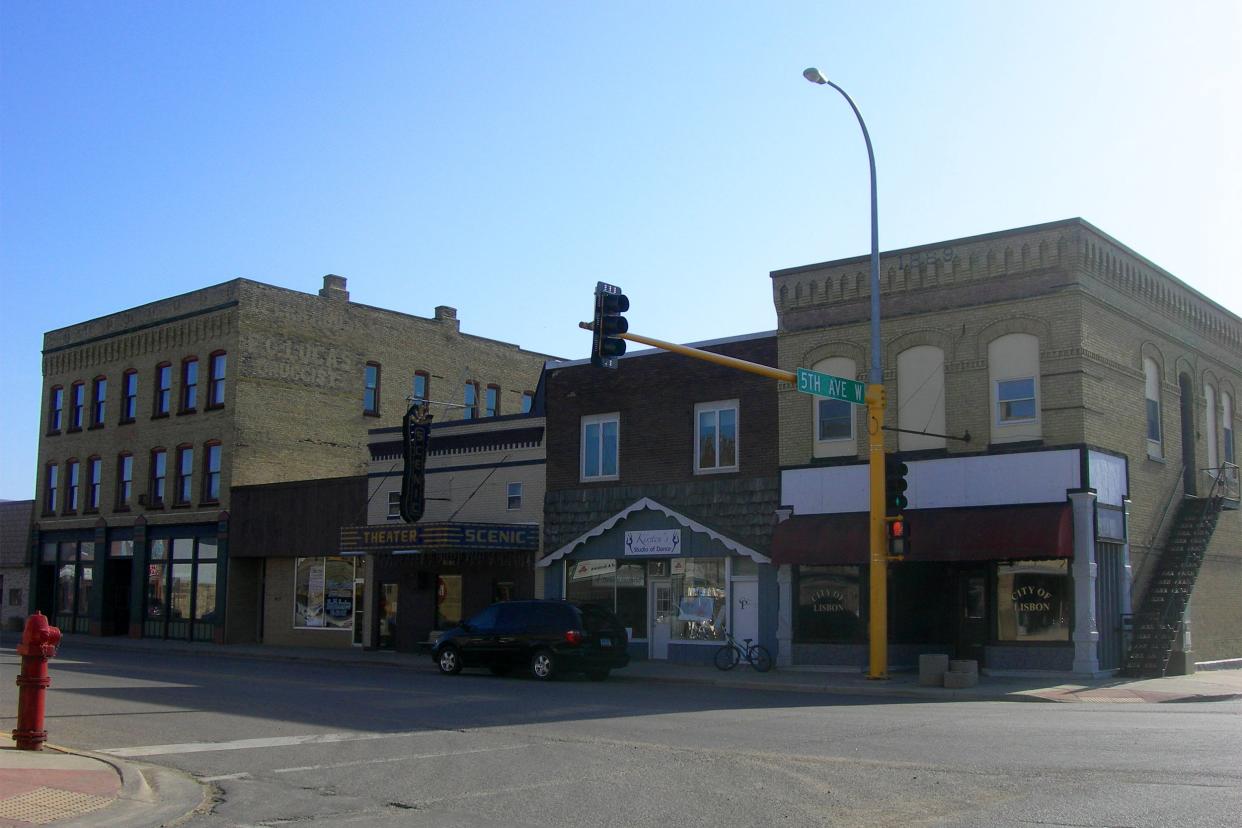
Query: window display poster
(324, 593)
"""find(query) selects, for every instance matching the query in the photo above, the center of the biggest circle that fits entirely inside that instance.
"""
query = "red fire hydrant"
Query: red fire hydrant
(38, 645)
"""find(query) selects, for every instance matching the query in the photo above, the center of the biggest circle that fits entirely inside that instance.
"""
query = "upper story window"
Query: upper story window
(72, 481)
(159, 474)
(1226, 404)
(217, 367)
(1209, 415)
(1013, 372)
(491, 403)
(51, 486)
(55, 409)
(1151, 379)
(185, 473)
(834, 419)
(920, 398)
(99, 399)
(715, 436)
(422, 386)
(601, 437)
(471, 410)
(163, 389)
(211, 472)
(129, 396)
(528, 399)
(94, 474)
(77, 403)
(124, 481)
(189, 385)
(394, 505)
(371, 389)
(513, 495)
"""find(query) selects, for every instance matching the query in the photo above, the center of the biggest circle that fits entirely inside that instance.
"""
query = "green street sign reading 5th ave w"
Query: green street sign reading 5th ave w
(835, 388)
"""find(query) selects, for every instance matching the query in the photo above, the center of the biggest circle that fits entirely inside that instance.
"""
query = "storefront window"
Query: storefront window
(179, 608)
(448, 601)
(65, 592)
(620, 587)
(1033, 601)
(155, 590)
(85, 580)
(324, 593)
(829, 604)
(183, 588)
(699, 589)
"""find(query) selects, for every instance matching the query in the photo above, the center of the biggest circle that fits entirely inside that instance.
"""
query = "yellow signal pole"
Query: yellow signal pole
(878, 623)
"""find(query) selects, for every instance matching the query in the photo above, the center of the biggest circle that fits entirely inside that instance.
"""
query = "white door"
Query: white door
(661, 618)
(745, 611)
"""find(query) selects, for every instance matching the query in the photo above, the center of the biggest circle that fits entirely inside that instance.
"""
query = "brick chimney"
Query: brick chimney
(446, 314)
(334, 288)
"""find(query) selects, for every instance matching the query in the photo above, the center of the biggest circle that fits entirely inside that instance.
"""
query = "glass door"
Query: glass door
(662, 615)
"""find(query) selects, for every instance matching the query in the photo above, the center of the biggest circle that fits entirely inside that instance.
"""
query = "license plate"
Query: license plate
(605, 642)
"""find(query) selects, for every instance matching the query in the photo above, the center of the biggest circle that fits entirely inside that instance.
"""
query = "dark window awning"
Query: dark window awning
(992, 533)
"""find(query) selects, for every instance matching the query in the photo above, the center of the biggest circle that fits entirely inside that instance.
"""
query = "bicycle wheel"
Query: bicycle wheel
(759, 658)
(727, 657)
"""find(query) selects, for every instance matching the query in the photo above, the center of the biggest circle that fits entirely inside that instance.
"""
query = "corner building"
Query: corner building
(154, 415)
(1067, 411)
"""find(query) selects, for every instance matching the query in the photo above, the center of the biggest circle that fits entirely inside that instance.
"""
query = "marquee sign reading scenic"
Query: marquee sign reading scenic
(440, 537)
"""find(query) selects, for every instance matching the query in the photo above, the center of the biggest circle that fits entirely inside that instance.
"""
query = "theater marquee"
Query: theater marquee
(440, 537)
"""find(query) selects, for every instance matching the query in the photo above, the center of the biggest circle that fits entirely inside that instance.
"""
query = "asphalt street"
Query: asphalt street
(324, 744)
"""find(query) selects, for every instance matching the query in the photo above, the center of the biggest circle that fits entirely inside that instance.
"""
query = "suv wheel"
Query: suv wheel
(449, 661)
(542, 665)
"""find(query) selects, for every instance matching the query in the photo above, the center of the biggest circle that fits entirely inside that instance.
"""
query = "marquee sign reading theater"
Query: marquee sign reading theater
(440, 537)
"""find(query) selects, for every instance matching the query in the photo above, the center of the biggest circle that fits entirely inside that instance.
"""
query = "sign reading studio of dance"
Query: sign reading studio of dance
(653, 542)
(440, 537)
(834, 388)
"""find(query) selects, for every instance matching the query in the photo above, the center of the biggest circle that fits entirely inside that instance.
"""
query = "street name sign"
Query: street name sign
(835, 388)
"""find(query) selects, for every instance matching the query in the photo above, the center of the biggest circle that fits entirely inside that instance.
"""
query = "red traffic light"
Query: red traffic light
(897, 529)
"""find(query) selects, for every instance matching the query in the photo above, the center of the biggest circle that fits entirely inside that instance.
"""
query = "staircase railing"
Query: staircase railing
(1150, 557)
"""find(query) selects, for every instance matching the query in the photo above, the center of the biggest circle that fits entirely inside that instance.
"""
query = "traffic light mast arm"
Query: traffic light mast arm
(706, 356)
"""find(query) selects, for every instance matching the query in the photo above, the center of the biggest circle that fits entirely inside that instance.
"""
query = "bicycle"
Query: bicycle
(730, 653)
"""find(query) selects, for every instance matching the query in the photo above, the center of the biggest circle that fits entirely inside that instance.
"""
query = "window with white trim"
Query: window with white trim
(715, 437)
(601, 442)
(513, 496)
(1013, 373)
(1226, 404)
(833, 434)
(394, 505)
(1151, 379)
(1209, 414)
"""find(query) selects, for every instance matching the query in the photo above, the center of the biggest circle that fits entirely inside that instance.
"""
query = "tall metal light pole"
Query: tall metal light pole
(878, 625)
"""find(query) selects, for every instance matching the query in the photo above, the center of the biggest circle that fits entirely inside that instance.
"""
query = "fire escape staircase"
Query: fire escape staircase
(1160, 614)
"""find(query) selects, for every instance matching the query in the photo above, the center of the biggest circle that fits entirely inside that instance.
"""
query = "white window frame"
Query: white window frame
(394, 505)
(1227, 446)
(598, 420)
(513, 490)
(717, 407)
(1209, 428)
(1034, 398)
(1151, 380)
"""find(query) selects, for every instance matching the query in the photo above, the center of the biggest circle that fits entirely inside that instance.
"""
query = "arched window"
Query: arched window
(1209, 415)
(833, 420)
(1155, 430)
(920, 398)
(55, 409)
(1226, 405)
(1013, 373)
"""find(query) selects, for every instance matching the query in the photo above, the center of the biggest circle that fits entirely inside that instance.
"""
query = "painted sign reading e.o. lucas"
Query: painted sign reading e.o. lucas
(653, 542)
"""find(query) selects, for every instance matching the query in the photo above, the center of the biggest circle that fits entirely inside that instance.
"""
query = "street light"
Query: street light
(878, 626)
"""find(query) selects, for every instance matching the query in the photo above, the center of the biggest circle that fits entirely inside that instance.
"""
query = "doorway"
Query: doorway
(1186, 387)
(662, 614)
(120, 570)
(745, 610)
(972, 614)
(387, 616)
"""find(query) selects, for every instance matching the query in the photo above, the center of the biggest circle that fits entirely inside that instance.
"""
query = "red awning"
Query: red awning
(991, 533)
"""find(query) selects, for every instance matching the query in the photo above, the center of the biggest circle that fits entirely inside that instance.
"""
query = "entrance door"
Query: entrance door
(972, 618)
(1186, 387)
(360, 585)
(662, 614)
(118, 594)
(387, 616)
(745, 611)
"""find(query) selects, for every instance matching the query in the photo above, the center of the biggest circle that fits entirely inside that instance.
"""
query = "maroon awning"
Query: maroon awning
(989, 533)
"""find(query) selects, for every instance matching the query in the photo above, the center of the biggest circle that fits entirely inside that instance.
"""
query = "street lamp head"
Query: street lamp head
(814, 76)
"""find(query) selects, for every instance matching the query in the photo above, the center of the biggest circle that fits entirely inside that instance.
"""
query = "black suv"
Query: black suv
(546, 637)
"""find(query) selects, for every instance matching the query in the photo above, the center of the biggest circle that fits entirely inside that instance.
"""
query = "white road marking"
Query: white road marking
(251, 744)
(226, 776)
(397, 759)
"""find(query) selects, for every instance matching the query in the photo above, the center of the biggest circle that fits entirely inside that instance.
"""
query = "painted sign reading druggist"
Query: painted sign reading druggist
(440, 537)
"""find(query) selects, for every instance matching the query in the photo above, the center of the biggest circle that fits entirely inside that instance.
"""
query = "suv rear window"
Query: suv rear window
(597, 619)
(549, 617)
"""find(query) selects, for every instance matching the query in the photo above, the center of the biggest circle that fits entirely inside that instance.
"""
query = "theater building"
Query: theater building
(153, 417)
(1066, 409)
(662, 489)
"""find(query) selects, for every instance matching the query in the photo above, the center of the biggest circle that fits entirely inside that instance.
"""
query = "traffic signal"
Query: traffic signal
(606, 345)
(895, 485)
(898, 535)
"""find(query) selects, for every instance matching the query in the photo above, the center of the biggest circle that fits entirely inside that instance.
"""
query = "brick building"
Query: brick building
(662, 489)
(153, 416)
(14, 562)
(1098, 395)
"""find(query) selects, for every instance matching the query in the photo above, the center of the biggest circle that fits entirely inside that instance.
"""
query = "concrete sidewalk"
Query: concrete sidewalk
(66, 788)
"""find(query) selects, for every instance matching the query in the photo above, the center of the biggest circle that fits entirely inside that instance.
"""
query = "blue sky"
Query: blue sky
(503, 157)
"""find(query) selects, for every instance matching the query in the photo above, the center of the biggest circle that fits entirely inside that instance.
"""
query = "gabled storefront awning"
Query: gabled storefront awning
(1044, 530)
